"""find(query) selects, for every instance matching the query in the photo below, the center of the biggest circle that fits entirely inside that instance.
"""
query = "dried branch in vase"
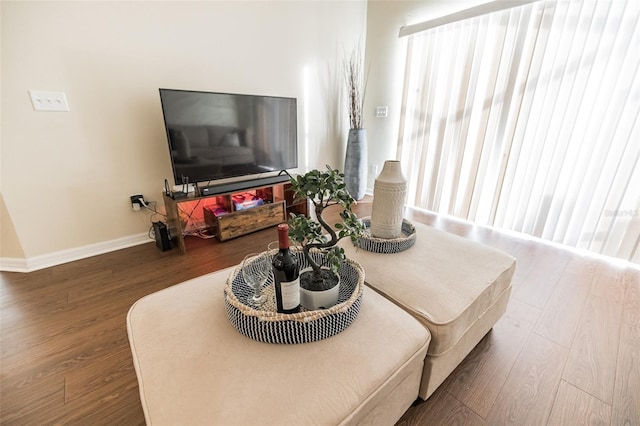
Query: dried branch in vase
(356, 81)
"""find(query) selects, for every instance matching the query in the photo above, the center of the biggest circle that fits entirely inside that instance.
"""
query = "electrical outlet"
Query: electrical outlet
(382, 111)
(137, 201)
(48, 101)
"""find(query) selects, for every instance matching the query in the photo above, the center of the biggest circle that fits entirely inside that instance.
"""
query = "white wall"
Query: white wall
(385, 55)
(66, 177)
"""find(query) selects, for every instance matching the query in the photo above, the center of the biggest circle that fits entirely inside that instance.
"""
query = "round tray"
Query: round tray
(269, 326)
(387, 245)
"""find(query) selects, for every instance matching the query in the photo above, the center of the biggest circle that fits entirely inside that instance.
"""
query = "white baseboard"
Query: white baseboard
(13, 264)
(10, 264)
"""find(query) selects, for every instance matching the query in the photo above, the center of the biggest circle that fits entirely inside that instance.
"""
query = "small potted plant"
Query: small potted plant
(319, 285)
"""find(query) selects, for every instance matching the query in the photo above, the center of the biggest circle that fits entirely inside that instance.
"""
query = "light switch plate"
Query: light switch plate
(382, 111)
(48, 101)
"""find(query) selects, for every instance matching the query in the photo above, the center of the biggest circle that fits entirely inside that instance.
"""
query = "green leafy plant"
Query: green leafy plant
(323, 189)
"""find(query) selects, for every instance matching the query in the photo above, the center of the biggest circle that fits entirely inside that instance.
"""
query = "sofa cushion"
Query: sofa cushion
(196, 136)
(447, 282)
(193, 367)
(180, 145)
(231, 139)
(217, 134)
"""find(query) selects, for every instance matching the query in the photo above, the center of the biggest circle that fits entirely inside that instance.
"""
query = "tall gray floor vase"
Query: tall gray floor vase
(355, 163)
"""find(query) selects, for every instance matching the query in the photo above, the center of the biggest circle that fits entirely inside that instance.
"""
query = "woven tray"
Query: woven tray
(387, 245)
(267, 325)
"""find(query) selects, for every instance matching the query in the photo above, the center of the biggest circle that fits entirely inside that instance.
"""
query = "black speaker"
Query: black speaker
(243, 184)
(163, 242)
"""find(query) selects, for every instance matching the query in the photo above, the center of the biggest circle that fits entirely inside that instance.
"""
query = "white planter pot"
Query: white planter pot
(389, 195)
(314, 300)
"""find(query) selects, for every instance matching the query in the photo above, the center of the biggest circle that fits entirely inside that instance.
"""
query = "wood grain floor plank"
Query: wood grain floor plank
(67, 323)
(103, 406)
(526, 260)
(96, 373)
(23, 315)
(561, 315)
(631, 304)
(62, 332)
(54, 357)
(41, 289)
(478, 380)
(626, 399)
(594, 351)
(441, 409)
(574, 406)
(22, 396)
(537, 287)
(15, 284)
(528, 395)
(521, 311)
(610, 283)
(78, 319)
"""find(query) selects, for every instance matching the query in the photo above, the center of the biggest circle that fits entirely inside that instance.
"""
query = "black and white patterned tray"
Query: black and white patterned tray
(387, 245)
(270, 326)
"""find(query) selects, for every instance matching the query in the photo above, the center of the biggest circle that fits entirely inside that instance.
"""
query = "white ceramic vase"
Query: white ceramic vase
(389, 195)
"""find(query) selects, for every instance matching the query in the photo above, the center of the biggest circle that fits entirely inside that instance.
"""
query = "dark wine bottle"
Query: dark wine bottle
(287, 274)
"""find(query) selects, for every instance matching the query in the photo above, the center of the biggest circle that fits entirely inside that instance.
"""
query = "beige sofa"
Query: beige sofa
(455, 287)
(193, 144)
(193, 367)
(431, 305)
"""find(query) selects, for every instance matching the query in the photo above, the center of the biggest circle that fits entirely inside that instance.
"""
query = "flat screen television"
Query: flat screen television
(215, 136)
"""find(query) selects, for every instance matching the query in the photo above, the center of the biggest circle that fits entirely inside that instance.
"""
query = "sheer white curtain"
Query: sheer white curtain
(528, 119)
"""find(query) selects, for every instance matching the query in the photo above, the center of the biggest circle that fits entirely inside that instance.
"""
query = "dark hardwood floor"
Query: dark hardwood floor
(566, 352)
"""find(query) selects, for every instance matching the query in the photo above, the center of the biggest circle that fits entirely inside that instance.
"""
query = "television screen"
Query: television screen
(221, 135)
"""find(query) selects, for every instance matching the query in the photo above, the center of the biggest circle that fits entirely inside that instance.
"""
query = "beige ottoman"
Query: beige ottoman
(457, 288)
(193, 367)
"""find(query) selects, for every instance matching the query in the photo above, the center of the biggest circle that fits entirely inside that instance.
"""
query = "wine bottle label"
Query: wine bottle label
(290, 293)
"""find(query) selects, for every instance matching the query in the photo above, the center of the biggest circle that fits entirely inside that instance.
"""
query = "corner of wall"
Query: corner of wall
(10, 245)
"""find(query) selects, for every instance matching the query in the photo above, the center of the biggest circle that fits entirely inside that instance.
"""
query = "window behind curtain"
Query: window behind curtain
(528, 119)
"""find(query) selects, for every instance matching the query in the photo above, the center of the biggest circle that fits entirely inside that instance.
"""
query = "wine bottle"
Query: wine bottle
(286, 272)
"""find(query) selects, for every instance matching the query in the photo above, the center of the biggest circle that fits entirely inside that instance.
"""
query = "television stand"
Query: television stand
(233, 210)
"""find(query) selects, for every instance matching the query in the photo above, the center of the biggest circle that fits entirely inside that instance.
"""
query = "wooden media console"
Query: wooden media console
(231, 214)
